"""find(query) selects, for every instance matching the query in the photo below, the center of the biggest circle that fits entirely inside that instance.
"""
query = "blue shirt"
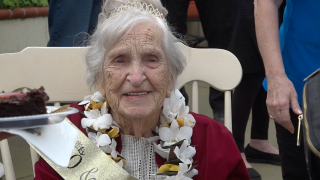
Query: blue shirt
(300, 41)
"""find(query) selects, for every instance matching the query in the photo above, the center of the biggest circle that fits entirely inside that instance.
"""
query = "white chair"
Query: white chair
(219, 68)
(61, 72)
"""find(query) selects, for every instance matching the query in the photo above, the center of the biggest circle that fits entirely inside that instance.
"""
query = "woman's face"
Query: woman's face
(136, 75)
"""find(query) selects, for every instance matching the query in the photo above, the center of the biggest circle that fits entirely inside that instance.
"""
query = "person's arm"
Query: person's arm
(281, 91)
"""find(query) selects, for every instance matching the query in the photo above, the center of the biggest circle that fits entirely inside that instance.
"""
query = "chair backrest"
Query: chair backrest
(219, 68)
(61, 72)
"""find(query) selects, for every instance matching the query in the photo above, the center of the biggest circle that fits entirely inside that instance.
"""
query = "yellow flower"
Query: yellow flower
(114, 133)
(174, 133)
(119, 160)
(168, 167)
(180, 121)
(97, 105)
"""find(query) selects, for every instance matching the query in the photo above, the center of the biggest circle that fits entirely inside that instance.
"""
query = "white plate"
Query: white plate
(26, 122)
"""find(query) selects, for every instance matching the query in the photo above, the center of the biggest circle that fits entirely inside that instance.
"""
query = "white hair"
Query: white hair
(109, 31)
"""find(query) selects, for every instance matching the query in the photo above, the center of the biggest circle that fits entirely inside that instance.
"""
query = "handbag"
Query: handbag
(311, 123)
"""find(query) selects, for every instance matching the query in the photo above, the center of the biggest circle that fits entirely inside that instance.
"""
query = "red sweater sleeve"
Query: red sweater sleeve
(216, 155)
(43, 170)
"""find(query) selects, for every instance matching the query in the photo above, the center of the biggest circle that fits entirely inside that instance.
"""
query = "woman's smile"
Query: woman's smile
(136, 94)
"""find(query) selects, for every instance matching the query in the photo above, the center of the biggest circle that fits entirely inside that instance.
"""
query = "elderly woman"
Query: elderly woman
(136, 117)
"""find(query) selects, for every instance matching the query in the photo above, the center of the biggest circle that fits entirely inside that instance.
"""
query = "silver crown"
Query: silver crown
(140, 6)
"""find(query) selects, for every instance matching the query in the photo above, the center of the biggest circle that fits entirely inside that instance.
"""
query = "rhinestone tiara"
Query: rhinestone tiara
(140, 6)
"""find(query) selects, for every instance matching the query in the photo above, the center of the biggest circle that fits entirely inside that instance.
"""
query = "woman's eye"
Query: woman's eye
(152, 60)
(120, 61)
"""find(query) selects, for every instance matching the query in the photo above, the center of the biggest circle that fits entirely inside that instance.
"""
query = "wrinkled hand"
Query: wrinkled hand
(281, 93)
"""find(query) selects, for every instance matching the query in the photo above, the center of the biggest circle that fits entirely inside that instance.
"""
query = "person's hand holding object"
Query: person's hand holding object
(281, 93)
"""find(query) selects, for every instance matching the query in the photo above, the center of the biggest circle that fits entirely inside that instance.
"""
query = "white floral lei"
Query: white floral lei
(175, 133)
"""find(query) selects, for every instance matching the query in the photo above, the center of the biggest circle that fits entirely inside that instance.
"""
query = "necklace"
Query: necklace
(171, 139)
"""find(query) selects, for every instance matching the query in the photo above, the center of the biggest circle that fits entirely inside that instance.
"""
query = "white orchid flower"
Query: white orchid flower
(185, 152)
(163, 121)
(104, 109)
(177, 94)
(104, 142)
(120, 163)
(99, 139)
(103, 139)
(95, 119)
(174, 106)
(113, 147)
(93, 114)
(183, 168)
(93, 138)
(110, 148)
(189, 118)
(97, 97)
(173, 134)
(184, 110)
(86, 100)
(191, 173)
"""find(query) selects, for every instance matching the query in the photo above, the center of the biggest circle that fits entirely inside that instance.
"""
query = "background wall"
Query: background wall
(17, 34)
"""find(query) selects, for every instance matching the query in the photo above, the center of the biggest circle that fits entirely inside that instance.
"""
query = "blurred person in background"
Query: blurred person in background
(250, 94)
(289, 56)
(70, 22)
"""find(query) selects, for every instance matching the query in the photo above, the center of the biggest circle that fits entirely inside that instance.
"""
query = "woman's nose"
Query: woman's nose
(136, 75)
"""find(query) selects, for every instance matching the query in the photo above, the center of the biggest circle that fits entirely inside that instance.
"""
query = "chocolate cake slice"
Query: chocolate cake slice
(21, 104)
